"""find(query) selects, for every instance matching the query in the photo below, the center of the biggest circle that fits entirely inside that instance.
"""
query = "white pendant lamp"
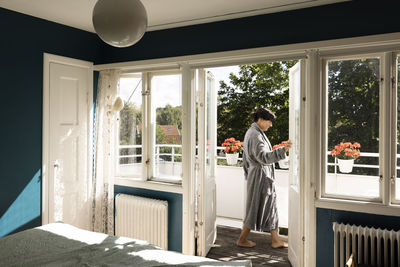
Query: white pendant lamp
(120, 23)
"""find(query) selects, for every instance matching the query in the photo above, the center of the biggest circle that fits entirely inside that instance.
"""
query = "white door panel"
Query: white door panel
(296, 80)
(68, 145)
(207, 135)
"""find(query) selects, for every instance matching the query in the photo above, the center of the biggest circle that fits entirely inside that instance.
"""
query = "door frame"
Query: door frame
(47, 59)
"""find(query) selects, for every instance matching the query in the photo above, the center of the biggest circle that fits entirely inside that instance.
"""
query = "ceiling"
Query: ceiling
(162, 14)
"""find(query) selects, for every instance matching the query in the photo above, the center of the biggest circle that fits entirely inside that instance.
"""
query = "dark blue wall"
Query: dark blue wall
(348, 19)
(174, 211)
(23, 40)
(325, 218)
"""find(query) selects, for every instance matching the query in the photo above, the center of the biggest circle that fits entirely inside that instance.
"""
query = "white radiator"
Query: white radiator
(370, 246)
(142, 218)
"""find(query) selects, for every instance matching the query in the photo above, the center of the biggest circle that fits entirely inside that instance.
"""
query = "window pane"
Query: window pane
(397, 182)
(130, 124)
(353, 116)
(167, 127)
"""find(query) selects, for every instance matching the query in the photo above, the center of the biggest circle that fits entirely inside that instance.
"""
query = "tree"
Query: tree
(130, 119)
(169, 115)
(259, 85)
(353, 102)
(129, 131)
(353, 106)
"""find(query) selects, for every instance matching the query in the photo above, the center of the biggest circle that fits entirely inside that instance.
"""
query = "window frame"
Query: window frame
(149, 137)
(387, 125)
(394, 57)
(117, 130)
(148, 140)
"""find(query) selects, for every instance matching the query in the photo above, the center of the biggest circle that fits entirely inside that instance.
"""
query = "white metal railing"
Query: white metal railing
(172, 154)
(128, 156)
(362, 154)
(220, 155)
(157, 154)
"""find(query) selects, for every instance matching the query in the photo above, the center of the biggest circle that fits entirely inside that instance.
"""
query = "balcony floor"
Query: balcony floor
(263, 254)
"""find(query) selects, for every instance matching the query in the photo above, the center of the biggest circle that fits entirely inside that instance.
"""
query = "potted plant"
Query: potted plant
(283, 163)
(346, 153)
(232, 149)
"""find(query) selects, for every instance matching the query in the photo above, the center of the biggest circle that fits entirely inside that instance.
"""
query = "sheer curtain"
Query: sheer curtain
(104, 144)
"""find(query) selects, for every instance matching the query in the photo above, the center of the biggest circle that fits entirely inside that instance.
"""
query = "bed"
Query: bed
(59, 244)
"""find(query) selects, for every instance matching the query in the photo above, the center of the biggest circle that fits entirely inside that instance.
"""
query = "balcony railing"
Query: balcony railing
(157, 154)
(176, 154)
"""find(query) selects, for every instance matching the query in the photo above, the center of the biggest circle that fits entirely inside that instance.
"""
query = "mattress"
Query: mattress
(60, 244)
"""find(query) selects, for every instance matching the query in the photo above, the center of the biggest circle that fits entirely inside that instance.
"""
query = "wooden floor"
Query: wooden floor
(262, 254)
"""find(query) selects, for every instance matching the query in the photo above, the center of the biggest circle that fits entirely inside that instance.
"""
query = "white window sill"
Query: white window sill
(151, 185)
(358, 206)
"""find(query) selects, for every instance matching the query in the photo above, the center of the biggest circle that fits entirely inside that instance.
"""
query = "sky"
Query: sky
(222, 73)
(166, 89)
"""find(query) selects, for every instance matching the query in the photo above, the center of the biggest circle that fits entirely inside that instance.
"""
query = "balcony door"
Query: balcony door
(296, 91)
(207, 147)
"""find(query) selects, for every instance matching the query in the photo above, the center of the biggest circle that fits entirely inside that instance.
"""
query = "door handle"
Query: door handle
(56, 165)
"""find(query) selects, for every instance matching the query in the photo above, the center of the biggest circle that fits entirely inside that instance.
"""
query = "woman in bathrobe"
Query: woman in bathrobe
(258, 164)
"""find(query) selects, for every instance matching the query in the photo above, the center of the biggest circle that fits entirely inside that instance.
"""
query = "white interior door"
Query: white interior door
(207, 140)
(69, 160)
(296, 81)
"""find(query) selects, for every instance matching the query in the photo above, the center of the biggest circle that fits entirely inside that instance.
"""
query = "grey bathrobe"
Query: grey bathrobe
(259, 171)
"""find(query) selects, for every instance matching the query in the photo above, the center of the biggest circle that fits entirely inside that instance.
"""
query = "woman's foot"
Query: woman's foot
(246, 244)
(279, 244)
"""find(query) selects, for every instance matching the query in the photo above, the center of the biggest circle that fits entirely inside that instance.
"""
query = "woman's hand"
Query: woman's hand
(288, 145)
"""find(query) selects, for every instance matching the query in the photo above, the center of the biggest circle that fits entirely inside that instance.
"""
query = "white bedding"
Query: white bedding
(59, 244)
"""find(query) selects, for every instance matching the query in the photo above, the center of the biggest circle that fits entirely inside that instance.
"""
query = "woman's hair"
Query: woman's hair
(263, 113)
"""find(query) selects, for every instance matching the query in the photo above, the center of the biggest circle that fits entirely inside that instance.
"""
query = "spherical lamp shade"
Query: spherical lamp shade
(119, 23)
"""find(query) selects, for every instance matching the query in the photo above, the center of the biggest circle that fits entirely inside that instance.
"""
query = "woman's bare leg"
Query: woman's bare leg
(276, 241)
(242, 241)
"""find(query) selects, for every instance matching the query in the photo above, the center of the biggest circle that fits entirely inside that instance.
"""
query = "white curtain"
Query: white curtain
(104, 153)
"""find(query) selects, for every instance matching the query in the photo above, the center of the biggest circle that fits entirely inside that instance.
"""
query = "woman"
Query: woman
(258, 165)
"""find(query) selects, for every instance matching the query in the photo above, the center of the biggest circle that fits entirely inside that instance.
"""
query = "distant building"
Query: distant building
(171, 131)
(172, 134)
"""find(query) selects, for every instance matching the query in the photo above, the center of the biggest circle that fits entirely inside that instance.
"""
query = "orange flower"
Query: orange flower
(232, 146)
(346, 150)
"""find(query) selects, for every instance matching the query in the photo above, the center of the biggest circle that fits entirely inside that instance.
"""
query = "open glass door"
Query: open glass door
(207, 140)
(296, 91)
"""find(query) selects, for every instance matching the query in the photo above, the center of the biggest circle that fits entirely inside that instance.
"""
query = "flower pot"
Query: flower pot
(345, 165)
(284, 163)
(232, 159)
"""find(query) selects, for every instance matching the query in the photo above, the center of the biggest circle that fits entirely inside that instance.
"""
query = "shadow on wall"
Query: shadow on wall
(25, 208)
